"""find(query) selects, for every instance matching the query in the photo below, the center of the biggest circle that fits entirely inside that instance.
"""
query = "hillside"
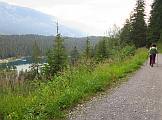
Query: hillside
(22, 45)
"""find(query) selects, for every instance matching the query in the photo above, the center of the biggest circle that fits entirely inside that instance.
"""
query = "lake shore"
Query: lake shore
(8, 60)
(12, 59)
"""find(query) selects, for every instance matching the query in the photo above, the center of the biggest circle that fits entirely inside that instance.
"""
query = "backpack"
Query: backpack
(153, 50)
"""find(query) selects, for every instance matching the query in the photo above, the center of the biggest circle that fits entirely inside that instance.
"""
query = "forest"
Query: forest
(96, 63)
(22, 45)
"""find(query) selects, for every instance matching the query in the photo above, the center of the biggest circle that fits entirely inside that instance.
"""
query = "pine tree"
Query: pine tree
(57, 58)
(74, 55)
(88, 49)
(125, 35)
(102, 51)
(155, 22)
(139, 27)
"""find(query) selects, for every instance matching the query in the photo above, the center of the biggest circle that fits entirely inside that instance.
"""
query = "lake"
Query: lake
(22, 63)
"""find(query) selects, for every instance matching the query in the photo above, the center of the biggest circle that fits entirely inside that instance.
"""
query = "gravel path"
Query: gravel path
(138, 99)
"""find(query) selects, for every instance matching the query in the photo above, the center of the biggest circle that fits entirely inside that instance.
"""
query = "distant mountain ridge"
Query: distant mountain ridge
(21, 20)
(22, 45)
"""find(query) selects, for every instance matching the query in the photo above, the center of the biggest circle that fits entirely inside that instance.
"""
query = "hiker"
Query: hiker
(152, 53)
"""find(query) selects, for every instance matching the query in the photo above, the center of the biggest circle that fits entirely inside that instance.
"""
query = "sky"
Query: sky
(93, 17)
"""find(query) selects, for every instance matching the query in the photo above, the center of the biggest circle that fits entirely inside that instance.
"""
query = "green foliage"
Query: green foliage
(125, 34)
(34, 72)
(159, 46)
(88, 49)
(57, 58)
(22, 45)
(74, 56)
(50, 99)
(139, 27)
(102, 50)
(155, 23)
(126, 51)
(40, 100)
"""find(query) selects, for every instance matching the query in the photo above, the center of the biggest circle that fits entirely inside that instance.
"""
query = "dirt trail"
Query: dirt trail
(138, 99)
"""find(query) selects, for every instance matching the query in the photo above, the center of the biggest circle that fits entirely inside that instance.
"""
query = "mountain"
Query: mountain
(21, 20)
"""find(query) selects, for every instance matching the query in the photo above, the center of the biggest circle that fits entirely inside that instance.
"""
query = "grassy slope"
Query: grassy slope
(52, 98)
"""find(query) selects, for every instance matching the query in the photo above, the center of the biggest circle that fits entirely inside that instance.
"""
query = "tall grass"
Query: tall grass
(51, 99)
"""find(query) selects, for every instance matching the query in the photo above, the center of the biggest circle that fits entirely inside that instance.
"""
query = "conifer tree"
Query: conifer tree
(57, 58)
(125, 35)
(155, 22)
(139, 28)
(102, 51)
(88, 49)
(74, 55)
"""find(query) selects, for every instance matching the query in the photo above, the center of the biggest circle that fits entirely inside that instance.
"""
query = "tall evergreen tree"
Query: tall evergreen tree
(74, 55)
(102, 51)
(125, 35)
(88, 49)
(155, 22)
(139, 27)
(57, 58)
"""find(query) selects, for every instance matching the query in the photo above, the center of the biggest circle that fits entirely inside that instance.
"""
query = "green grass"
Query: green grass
(52, 98)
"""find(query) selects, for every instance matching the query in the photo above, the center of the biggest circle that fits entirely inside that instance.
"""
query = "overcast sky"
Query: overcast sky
(91, 16)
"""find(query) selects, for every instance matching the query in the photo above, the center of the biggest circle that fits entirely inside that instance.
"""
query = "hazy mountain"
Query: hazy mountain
(21, 20)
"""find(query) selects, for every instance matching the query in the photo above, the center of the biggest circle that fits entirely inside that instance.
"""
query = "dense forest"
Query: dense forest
(23, 45)
(155, 23)
(140, 33)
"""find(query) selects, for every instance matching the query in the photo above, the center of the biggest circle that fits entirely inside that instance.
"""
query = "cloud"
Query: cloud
(91, 16)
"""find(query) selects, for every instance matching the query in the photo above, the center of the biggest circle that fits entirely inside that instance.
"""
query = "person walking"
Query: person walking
(152, 53)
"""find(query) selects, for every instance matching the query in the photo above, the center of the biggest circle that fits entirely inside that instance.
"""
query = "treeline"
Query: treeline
(154, 33)
(136, 31)
(108, 49)
(23, 45)
(117, 44)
